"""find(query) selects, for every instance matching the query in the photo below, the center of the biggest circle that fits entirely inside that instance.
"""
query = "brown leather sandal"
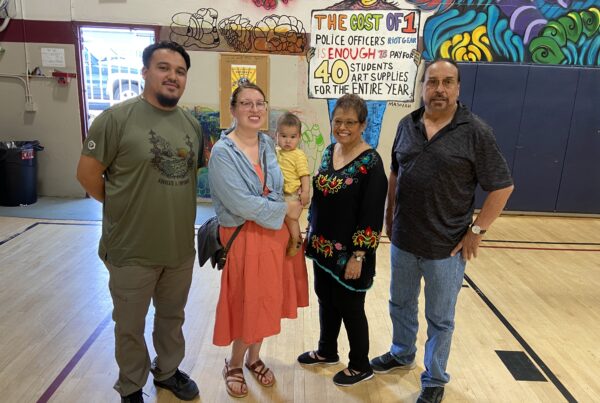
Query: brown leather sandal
(260, 370)
(231, 376)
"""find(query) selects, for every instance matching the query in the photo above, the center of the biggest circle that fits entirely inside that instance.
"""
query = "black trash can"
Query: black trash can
(18, 172)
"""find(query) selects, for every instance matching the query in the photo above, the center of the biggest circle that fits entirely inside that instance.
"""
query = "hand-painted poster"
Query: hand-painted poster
(368, 53)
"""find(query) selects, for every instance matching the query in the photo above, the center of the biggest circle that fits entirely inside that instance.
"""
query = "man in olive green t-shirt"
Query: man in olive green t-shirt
(140, 160)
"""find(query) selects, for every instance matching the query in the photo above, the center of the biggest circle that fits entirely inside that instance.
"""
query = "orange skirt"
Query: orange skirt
(259, 285)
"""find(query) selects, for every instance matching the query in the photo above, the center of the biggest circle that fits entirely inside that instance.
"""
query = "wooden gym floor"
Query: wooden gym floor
(528, 320)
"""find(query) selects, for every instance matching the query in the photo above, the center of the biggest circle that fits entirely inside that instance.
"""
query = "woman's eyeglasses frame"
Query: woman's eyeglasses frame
(249, 105)
(349, 124)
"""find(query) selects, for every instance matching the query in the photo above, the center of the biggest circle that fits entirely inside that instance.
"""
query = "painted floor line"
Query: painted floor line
(74, 360)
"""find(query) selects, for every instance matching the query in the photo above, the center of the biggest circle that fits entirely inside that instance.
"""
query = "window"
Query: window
(111, 60)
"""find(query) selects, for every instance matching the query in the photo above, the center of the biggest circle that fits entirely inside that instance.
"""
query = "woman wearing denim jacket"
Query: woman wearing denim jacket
(259, 285)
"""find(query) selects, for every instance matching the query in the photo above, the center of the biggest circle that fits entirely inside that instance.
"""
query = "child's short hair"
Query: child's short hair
(289, 119)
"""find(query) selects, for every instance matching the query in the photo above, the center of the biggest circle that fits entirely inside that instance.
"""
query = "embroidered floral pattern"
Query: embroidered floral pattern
(325, 246)
(366, 237)
(344, 178)
(328, 185)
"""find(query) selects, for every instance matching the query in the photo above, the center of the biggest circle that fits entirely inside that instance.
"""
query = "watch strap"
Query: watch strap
(479, 232)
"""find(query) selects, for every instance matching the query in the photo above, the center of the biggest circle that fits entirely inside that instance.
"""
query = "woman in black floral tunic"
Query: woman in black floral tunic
(345, 221)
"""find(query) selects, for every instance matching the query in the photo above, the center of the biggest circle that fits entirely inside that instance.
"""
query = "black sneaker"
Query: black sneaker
(341, 379)
(386, 363)
(180, 384)
(431, 394)
(135, 397)
(308, 359)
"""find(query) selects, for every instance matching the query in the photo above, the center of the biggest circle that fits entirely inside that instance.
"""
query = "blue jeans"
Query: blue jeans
(443, 281)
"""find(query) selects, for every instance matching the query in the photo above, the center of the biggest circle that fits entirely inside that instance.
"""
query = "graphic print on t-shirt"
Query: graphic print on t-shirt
(174, 163)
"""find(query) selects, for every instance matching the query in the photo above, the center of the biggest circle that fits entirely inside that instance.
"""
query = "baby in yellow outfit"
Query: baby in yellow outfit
(296, 177)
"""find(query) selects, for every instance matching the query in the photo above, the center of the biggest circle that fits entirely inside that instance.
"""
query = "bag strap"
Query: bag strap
(239, 228)
(235, 233)
(265, 170)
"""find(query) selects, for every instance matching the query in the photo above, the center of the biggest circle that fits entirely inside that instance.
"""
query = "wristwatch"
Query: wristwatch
(358, 258)
(476, 229)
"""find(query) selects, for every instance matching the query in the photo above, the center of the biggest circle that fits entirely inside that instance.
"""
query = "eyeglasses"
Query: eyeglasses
(259, 105)
(350, 124)
(433, 83)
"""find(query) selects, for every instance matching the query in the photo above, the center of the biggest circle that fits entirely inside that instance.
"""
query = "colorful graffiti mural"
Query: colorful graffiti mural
(571, 39)
(541, 31)
(563, 32)
(209, 122)
(203, 188)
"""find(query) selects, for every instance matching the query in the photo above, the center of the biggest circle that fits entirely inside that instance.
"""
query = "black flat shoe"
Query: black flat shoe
(310, 358)
(342, 379)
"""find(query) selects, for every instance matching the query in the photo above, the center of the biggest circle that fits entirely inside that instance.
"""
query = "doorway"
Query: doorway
(111, 64)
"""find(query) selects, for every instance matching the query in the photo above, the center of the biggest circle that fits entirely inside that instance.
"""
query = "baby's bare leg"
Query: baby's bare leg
(295, 241)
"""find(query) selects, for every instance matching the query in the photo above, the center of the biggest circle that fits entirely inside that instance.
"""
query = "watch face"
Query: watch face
(476, 229)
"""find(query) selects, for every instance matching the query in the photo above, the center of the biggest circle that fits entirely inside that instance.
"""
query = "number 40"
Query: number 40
(338, 72)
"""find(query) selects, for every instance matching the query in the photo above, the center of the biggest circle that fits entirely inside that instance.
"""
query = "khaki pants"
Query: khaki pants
(132, 288)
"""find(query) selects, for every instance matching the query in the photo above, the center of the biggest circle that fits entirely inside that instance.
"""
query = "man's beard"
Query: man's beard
(167, 102)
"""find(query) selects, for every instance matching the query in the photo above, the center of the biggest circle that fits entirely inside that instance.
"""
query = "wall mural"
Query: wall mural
(563, 32)
(282, 34)
(203, 188)
(520, 31)
(539, 31)
(364, 5)
(196, 30)
(384, 64)
(209, 122)
(313, 144)
(268, 4)
(313, 141)
(237, 32)
(374, 118)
